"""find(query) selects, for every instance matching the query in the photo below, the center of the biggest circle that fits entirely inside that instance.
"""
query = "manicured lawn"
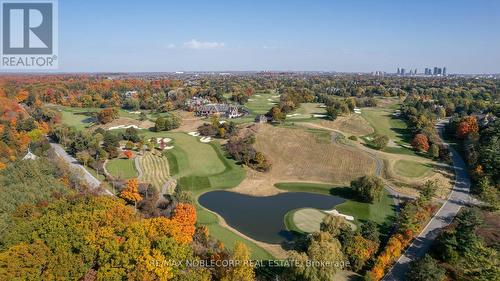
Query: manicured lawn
(382, 212)
(77, 117)
(259, 103)
(81, 118)
(410, 169)
(122, 168)
(154, 169)
(308, 220)
(384, 123)
(202, 167)
(290, 224)
(192, 156)
(199, 167)
(306, 112)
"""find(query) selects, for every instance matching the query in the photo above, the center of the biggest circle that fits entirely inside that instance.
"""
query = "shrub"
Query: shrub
(368, 188)
(380, 141)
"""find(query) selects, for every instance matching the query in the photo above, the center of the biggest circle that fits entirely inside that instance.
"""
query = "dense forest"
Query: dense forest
(53, 226)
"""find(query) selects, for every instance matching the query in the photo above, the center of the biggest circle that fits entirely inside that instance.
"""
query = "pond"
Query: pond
(262, 218)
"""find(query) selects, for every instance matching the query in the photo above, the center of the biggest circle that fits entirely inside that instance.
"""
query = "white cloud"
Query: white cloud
(170, 46)
(199, 45)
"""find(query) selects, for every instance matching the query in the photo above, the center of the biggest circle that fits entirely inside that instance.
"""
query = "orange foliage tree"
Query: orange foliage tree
(131, 191)
(185, 216)
(420, 142)
(22, 96)
(466, 126)
(128, 154)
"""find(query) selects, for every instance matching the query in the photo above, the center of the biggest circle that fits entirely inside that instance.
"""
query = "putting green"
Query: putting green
(121, 168)
(308, 220)
(381, 212)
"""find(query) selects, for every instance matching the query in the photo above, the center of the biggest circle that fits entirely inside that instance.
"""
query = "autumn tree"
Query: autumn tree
(128, 154)
(333, 224)
(242, 270)
(107, 115)
(276, 114)
(84, 157)
(359, 250)
(131, 191)
(420, 142)
(380, 141)
(368, 188)
(185, 216)
(323, 249)
(466, 126)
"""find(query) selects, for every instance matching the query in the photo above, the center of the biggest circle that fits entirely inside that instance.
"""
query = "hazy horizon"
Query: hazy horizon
(329, 36)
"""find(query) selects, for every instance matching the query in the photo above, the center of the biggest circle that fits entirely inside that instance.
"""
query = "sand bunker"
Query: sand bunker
(123, 127)
(336, 213)
(194, 134)
(165, 140)
(206, 139)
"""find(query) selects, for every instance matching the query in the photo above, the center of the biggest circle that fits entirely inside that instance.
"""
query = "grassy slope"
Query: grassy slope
(123, 168)
(258, 104)
(306, 111)
(155, 169)
(380, 212)
(411, 169)
(81, 118)
(396, 129)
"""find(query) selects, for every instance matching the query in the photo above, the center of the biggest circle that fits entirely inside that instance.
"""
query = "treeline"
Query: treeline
(52, 227)
(460, 252)
(480, 140)
(218, 129)
(421, 117)
(241, 149)
(411, 219)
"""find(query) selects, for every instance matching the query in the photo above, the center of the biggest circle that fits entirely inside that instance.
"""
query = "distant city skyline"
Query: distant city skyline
(342, 36)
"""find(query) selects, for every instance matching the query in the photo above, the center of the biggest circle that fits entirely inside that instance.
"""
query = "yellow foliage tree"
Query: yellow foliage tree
(243, 269)
(131, 192)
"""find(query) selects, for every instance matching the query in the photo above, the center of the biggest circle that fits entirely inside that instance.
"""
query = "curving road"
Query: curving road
(458, 198)
(82, 172)
(379, 164)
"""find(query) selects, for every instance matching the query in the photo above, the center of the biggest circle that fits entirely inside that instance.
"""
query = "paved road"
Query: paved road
(458, 198)
(73, 163)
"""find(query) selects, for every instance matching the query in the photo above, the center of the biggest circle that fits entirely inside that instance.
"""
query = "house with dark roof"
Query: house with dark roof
(218, 109)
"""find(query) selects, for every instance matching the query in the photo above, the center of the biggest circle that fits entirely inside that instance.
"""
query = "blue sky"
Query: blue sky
(349, 35)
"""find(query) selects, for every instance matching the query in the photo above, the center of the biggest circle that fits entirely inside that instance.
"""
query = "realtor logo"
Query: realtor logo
(29, 34)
